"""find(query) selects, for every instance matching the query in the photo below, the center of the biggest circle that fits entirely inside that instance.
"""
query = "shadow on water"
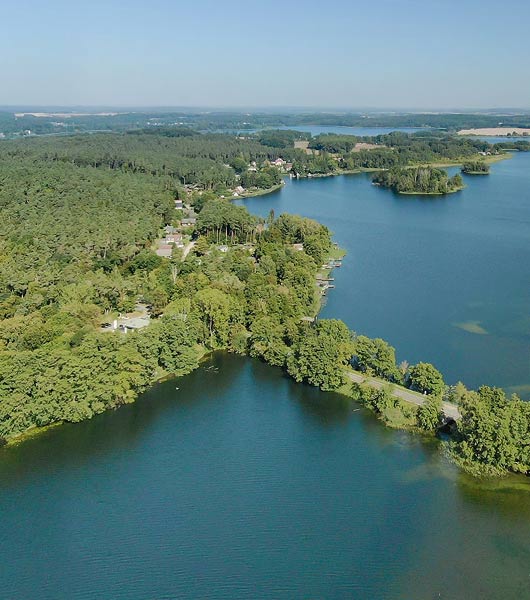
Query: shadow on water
(125, 430)
(128, 427)
(333, 411)
(120, 430)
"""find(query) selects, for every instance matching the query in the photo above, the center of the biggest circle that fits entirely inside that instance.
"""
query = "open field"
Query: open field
(495, 131)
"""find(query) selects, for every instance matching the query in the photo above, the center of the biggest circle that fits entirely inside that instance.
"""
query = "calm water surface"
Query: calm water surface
(238, 483)
(444, 279)
(234, 482)
(345, 130)
(319, 129)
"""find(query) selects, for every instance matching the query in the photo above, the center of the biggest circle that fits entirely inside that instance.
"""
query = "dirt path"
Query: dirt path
(187, 249)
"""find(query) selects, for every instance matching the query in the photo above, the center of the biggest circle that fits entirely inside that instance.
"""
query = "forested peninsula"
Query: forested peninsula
(94, 227)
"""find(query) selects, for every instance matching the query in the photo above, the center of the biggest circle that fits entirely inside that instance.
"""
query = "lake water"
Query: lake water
(320, 129)
(444, 279)
(235, 482)
(239, 483)
(345, 130)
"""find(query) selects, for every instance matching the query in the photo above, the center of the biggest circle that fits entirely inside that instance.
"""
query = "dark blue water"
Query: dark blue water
(242, 484)
(444, 279)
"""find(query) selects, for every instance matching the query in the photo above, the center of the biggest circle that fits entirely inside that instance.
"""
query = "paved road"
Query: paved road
(449, 410)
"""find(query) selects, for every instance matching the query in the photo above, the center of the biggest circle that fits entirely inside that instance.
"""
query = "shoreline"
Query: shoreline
(458, 189)
(493, 158)
(260, 192)
(405, 408)
(459, 162)
(336, 253)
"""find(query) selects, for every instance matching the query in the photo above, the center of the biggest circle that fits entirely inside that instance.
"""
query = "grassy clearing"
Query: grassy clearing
(458, 162)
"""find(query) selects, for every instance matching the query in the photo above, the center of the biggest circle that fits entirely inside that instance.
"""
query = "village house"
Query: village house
(174, 238)
(131, 323)
(165, 250)
(281, 164)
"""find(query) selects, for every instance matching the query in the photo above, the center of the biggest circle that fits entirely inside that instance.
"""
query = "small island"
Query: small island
(478, 167)
(419, 180)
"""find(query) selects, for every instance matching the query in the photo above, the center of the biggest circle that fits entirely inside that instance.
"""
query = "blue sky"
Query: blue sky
(379, 53)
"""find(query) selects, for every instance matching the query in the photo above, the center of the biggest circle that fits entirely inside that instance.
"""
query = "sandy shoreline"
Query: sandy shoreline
(496, 131)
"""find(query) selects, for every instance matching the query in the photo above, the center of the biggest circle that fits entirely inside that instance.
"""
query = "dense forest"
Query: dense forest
(80, 216)
(420, 180)
(199, 159)
(57, 365)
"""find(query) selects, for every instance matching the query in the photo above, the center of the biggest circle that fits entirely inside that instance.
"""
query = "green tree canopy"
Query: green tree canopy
(425, 378)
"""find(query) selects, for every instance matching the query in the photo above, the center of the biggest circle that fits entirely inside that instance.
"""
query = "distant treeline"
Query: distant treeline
(237, 121)
(178, 159)
(181, 156)
(331, 153)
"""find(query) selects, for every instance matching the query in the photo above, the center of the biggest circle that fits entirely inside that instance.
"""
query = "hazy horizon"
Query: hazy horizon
(407, 55)
(500, 110)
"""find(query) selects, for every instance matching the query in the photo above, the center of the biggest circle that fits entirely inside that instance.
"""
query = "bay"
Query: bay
(444, 279)
(239, 483)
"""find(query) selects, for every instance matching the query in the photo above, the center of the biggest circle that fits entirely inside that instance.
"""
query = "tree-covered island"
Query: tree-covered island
(478, 167)
(138, 231)
(419, 180)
